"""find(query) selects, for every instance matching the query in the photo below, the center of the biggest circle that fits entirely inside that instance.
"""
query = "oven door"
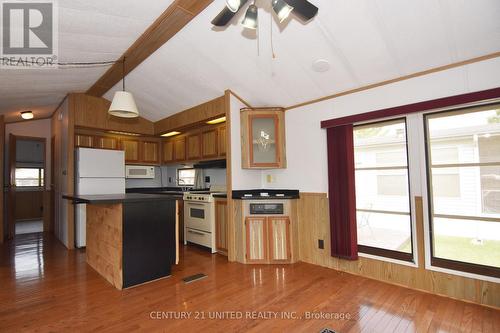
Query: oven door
(197, 216)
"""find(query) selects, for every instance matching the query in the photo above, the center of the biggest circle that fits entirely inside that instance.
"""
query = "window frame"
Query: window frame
(404, 257)
(435, 262)
(178, 178)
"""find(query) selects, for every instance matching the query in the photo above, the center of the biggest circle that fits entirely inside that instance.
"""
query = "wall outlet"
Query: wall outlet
(321, 244)
(169, 179)
(207, 179)
(269, 178)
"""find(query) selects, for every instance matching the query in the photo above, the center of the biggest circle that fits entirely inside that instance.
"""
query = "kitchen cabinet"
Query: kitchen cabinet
(263, 138)
(84, 140)
(150, 152)
(279, 239)
(180, 149)
(256, 240)
(222, 141)
(193, 143)
(107, 142)
(131, 148)
(209, 143)
(168, 151)
(221, 226)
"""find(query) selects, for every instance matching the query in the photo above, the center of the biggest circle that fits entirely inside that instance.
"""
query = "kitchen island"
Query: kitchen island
(131, 238)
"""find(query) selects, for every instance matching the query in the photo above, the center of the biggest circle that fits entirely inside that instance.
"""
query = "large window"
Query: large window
(382, 190)
(185, 177)
(464, 189)
(29, 177)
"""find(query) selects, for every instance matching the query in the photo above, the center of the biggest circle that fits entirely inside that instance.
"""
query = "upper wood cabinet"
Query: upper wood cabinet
(84, 140)
(263, 138)
(180, 149)
(131, 148)
(150, 152)
(106, 142)
(168, 151)
(222, 140)
(209, 143)
(193, 143)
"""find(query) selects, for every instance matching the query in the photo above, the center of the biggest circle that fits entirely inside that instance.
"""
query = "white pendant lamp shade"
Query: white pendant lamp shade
(123, 105)
(282, 9)
(233, 5)
(251, 18)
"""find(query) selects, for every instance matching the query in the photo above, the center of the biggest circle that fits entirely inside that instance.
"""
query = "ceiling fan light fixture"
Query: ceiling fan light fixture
(233, 5)
(251, 17)
(282, 9)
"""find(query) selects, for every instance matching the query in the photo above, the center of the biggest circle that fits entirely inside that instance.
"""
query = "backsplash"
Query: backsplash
(165, 176)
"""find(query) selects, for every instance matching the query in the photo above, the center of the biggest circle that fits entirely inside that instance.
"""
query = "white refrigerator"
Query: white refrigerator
(98, 171)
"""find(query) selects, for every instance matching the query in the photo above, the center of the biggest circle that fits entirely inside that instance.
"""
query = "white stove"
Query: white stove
(199, 219)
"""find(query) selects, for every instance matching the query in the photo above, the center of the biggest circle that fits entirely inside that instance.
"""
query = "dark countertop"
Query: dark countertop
(116, 198)
(274, 194)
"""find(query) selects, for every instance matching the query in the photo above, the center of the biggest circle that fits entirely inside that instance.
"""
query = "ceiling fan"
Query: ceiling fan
(302, 8)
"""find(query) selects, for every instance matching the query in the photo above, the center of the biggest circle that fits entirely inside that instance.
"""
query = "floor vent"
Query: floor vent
(327, 330)
(193, 278)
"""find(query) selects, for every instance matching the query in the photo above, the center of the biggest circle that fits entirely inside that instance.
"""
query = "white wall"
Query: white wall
(242, 179)
(306, 141)
(34, 128)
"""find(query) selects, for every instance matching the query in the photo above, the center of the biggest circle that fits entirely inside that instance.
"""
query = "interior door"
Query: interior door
(256, 240)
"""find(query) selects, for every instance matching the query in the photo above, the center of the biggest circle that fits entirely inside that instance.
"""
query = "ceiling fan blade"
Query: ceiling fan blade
(303, 8)
(225, 16)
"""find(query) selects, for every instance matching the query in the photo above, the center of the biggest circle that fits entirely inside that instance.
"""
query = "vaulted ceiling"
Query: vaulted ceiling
(364, 41)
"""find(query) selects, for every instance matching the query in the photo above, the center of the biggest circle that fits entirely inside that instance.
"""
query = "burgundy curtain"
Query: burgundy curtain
(341, 191)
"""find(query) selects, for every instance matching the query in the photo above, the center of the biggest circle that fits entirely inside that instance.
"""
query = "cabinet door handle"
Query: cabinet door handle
(196, 233)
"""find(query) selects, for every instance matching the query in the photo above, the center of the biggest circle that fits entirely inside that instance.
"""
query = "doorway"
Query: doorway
(26, 197)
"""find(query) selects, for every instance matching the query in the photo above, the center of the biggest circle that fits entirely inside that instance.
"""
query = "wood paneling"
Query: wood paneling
(221, 226)
(92, 112)
(314, 225)
(61, 293)
(210, 143)
(48, 221)
(193, 116)
(170, 22)
(131, 148)
(168, 151)
(29, 205)
(104, 241)
(193, 146)
(150, 152)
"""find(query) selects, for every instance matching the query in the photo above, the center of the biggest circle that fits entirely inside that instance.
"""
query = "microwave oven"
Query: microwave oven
(139, 171)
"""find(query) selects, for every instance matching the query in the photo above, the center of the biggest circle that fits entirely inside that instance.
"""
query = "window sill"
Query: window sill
(462, 274)
(386, 259)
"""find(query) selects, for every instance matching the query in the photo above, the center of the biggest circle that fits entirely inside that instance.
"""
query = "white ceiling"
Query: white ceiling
(365, 41)
(89, 31)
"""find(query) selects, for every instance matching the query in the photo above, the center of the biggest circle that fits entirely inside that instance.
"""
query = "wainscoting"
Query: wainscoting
(314, 225)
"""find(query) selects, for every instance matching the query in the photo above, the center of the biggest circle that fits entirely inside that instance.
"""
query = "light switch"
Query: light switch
(269, 178)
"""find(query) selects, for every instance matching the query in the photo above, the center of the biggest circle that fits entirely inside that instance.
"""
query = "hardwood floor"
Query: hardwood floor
(45, 288)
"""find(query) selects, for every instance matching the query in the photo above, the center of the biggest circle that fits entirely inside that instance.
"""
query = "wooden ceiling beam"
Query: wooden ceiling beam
(170, 22)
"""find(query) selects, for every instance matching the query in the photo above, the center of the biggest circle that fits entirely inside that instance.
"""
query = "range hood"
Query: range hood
(215, 164)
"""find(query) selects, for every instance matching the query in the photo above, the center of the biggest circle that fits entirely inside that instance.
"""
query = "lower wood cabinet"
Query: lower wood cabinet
(221, 226)
(268, 239)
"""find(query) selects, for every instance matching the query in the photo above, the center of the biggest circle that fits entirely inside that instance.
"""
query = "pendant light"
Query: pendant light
(251, 17)
(233, 5)
(123, 104)
(282, 9)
